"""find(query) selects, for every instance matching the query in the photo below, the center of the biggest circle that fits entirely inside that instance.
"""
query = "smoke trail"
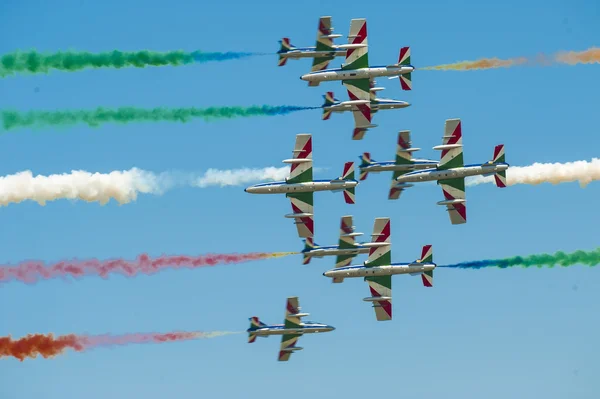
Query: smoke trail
(71, 61)
(33, 271)
(93, 118)
(122, 186)
(589, 258)
(583, 171)
(49, 346)
(589, 56)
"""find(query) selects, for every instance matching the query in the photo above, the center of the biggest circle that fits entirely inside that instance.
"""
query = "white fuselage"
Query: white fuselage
(391, 166)
(362, 73)
(311, 53)
(376, 105)
(312, 186)
(305, 328)
(454, 173)
(387, 270)
(335, 251)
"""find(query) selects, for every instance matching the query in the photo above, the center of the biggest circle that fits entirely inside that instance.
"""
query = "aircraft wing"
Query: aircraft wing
(455, 199)
(452, 151)
(288, 341)
(301, 172)
(359, 89)
(381, 287)
(302, 206)
(324, 43)
(403, 157)
(357, 57)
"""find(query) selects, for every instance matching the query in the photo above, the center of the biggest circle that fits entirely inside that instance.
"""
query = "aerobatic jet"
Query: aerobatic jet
(378, 270)
(322, 53)
(451, 171)
(361, 123)
(292, 329)
(402, 164)
(344, 252)
(356, 72)
(300, 186)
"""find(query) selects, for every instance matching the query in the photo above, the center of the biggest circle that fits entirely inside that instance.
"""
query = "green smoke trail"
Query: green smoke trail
(589, 258)
(71, 61)
(98, 116)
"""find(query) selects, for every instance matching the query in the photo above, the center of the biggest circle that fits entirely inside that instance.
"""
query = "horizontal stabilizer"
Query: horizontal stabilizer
(377, 298)
(298, 215)
(297, 160)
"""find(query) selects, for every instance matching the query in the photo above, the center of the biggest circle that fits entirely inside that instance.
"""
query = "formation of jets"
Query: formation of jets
(449, 172)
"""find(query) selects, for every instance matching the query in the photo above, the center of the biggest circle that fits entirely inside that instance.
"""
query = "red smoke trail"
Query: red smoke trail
(33, 271)
(48, 346)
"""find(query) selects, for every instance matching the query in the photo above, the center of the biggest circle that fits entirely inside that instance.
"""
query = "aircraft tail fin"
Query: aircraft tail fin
(349, 175)
(366, 160)
(284, 47)
(500, 177)
(406, 81)
(255, 324)
(427, 257)
(309, 245)
(329, 101)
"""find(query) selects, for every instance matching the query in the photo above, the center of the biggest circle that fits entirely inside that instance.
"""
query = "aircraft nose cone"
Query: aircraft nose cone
(245, 190)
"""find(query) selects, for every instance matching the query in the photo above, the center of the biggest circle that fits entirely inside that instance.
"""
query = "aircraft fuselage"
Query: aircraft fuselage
(376, 105)
(361, 73)
(391, 166)
(454, 173)
(387, 270)
(311, 52)
(279, 329)
(334, 250)
(312, 186)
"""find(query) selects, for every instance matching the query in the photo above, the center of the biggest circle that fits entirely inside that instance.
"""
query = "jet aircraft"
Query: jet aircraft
(332, 104)
(355, 72)
(300, 186)
(322, 53)
(378, 270)
(404, 163)
(344, 252)
(450, 173)
(292, 329)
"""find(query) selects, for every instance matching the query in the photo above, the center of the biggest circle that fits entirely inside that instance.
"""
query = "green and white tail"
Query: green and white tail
(324, 43)
(284, 47)
(365, 160)
(404, 152)
(309, 245)
(255, 324)
(500, 177)
(427, 257)
(348, 174)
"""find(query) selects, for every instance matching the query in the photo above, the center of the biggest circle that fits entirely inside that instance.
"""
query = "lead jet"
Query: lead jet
(344, 252)
(450, 173)
(355, 72)
(300, 186)
(403, 163)
(292, 329)
(378, 270)
(361, 123)
(322, 53)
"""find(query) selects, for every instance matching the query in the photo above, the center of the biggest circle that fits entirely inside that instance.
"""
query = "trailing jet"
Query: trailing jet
(378, 270)
(322, 53)
(404, 163)
(300, 186)
(355, 72)
(451, 172)
(344, 252)
(292, 329)
(332, 104)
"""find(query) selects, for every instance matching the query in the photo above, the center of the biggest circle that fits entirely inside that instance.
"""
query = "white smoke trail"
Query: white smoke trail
(122, 186)
(555, 173)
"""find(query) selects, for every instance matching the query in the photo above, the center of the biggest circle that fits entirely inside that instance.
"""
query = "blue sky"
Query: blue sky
(493, 333)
